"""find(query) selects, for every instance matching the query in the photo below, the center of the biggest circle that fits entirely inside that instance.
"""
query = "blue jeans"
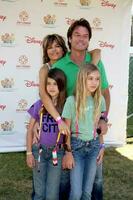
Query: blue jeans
(82, 176)
(97, 193)
(46, 177)
(65, 185)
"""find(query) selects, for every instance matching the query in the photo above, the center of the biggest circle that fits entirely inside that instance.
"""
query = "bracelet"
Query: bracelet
(28, 153)
(58, 120)
(67, 148)
(102, 146)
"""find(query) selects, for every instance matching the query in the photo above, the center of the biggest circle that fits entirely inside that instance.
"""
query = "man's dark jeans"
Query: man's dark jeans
(97, 193)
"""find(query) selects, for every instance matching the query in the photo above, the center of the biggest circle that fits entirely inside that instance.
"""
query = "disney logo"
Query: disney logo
(33, 40)
(31, 84)
(107, 4)
(106, 45)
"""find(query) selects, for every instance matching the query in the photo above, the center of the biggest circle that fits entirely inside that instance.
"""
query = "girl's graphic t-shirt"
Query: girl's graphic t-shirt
(86, 125)
(49, 130)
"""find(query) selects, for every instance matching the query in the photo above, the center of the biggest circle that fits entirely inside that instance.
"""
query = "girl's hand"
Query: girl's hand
(36, 133)
(63, 128)
(68, 161)
(30, 161)
(100, 156)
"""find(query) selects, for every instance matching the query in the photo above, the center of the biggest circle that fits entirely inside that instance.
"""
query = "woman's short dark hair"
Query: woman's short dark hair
(48, 41)
(81, 22)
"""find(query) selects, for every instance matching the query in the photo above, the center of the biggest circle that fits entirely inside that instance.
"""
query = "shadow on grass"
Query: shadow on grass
(16, 184)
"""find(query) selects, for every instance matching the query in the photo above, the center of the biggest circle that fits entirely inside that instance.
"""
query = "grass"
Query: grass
(118, 175)
(16, 178)
(15, 181)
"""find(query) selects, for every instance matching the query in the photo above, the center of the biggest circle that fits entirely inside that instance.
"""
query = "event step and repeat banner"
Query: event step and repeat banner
(23, 25)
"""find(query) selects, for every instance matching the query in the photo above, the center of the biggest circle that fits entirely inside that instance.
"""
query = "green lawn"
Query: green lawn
(16, 184)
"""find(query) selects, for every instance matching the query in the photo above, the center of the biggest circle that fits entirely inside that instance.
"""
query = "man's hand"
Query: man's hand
(103, 126)
(68, 161)
(100, 156)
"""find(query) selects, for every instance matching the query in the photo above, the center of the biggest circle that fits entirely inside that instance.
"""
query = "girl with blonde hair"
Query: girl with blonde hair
(82, 113)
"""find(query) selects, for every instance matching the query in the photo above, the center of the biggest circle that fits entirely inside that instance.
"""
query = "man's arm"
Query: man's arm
(106, 94)
(103, 123)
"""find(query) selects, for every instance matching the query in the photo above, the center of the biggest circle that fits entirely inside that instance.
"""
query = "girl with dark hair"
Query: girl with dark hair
(45, 157)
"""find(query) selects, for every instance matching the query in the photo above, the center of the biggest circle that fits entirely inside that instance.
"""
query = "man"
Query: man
(79, 35)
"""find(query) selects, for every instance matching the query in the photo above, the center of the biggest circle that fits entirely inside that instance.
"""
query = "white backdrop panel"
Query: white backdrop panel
(22, 29)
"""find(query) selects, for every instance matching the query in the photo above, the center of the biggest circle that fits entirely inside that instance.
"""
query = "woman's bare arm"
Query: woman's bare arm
(44, 96)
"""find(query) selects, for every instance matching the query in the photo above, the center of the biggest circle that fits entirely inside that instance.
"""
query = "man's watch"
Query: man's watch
(104, 118)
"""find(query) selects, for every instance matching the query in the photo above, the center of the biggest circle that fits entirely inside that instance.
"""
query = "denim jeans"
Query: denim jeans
(64, 185)
(97, 193)
(82, 176)
(46, 176)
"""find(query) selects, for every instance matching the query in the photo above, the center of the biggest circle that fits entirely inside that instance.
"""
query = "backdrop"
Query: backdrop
(23, 25)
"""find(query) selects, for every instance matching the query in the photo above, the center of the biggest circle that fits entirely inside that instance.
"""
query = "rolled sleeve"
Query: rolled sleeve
(34, 110)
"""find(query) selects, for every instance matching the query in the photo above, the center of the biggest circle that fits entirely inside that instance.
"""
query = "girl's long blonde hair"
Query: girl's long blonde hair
(81, 92)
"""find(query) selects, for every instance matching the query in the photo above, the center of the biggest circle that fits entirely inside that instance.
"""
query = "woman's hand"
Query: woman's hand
(30, 161)
(68, 161)
(100, 156)
(63, 128)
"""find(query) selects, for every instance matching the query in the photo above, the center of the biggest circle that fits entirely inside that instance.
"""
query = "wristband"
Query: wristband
(28, 153)
(58, 120)
(102, 146)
